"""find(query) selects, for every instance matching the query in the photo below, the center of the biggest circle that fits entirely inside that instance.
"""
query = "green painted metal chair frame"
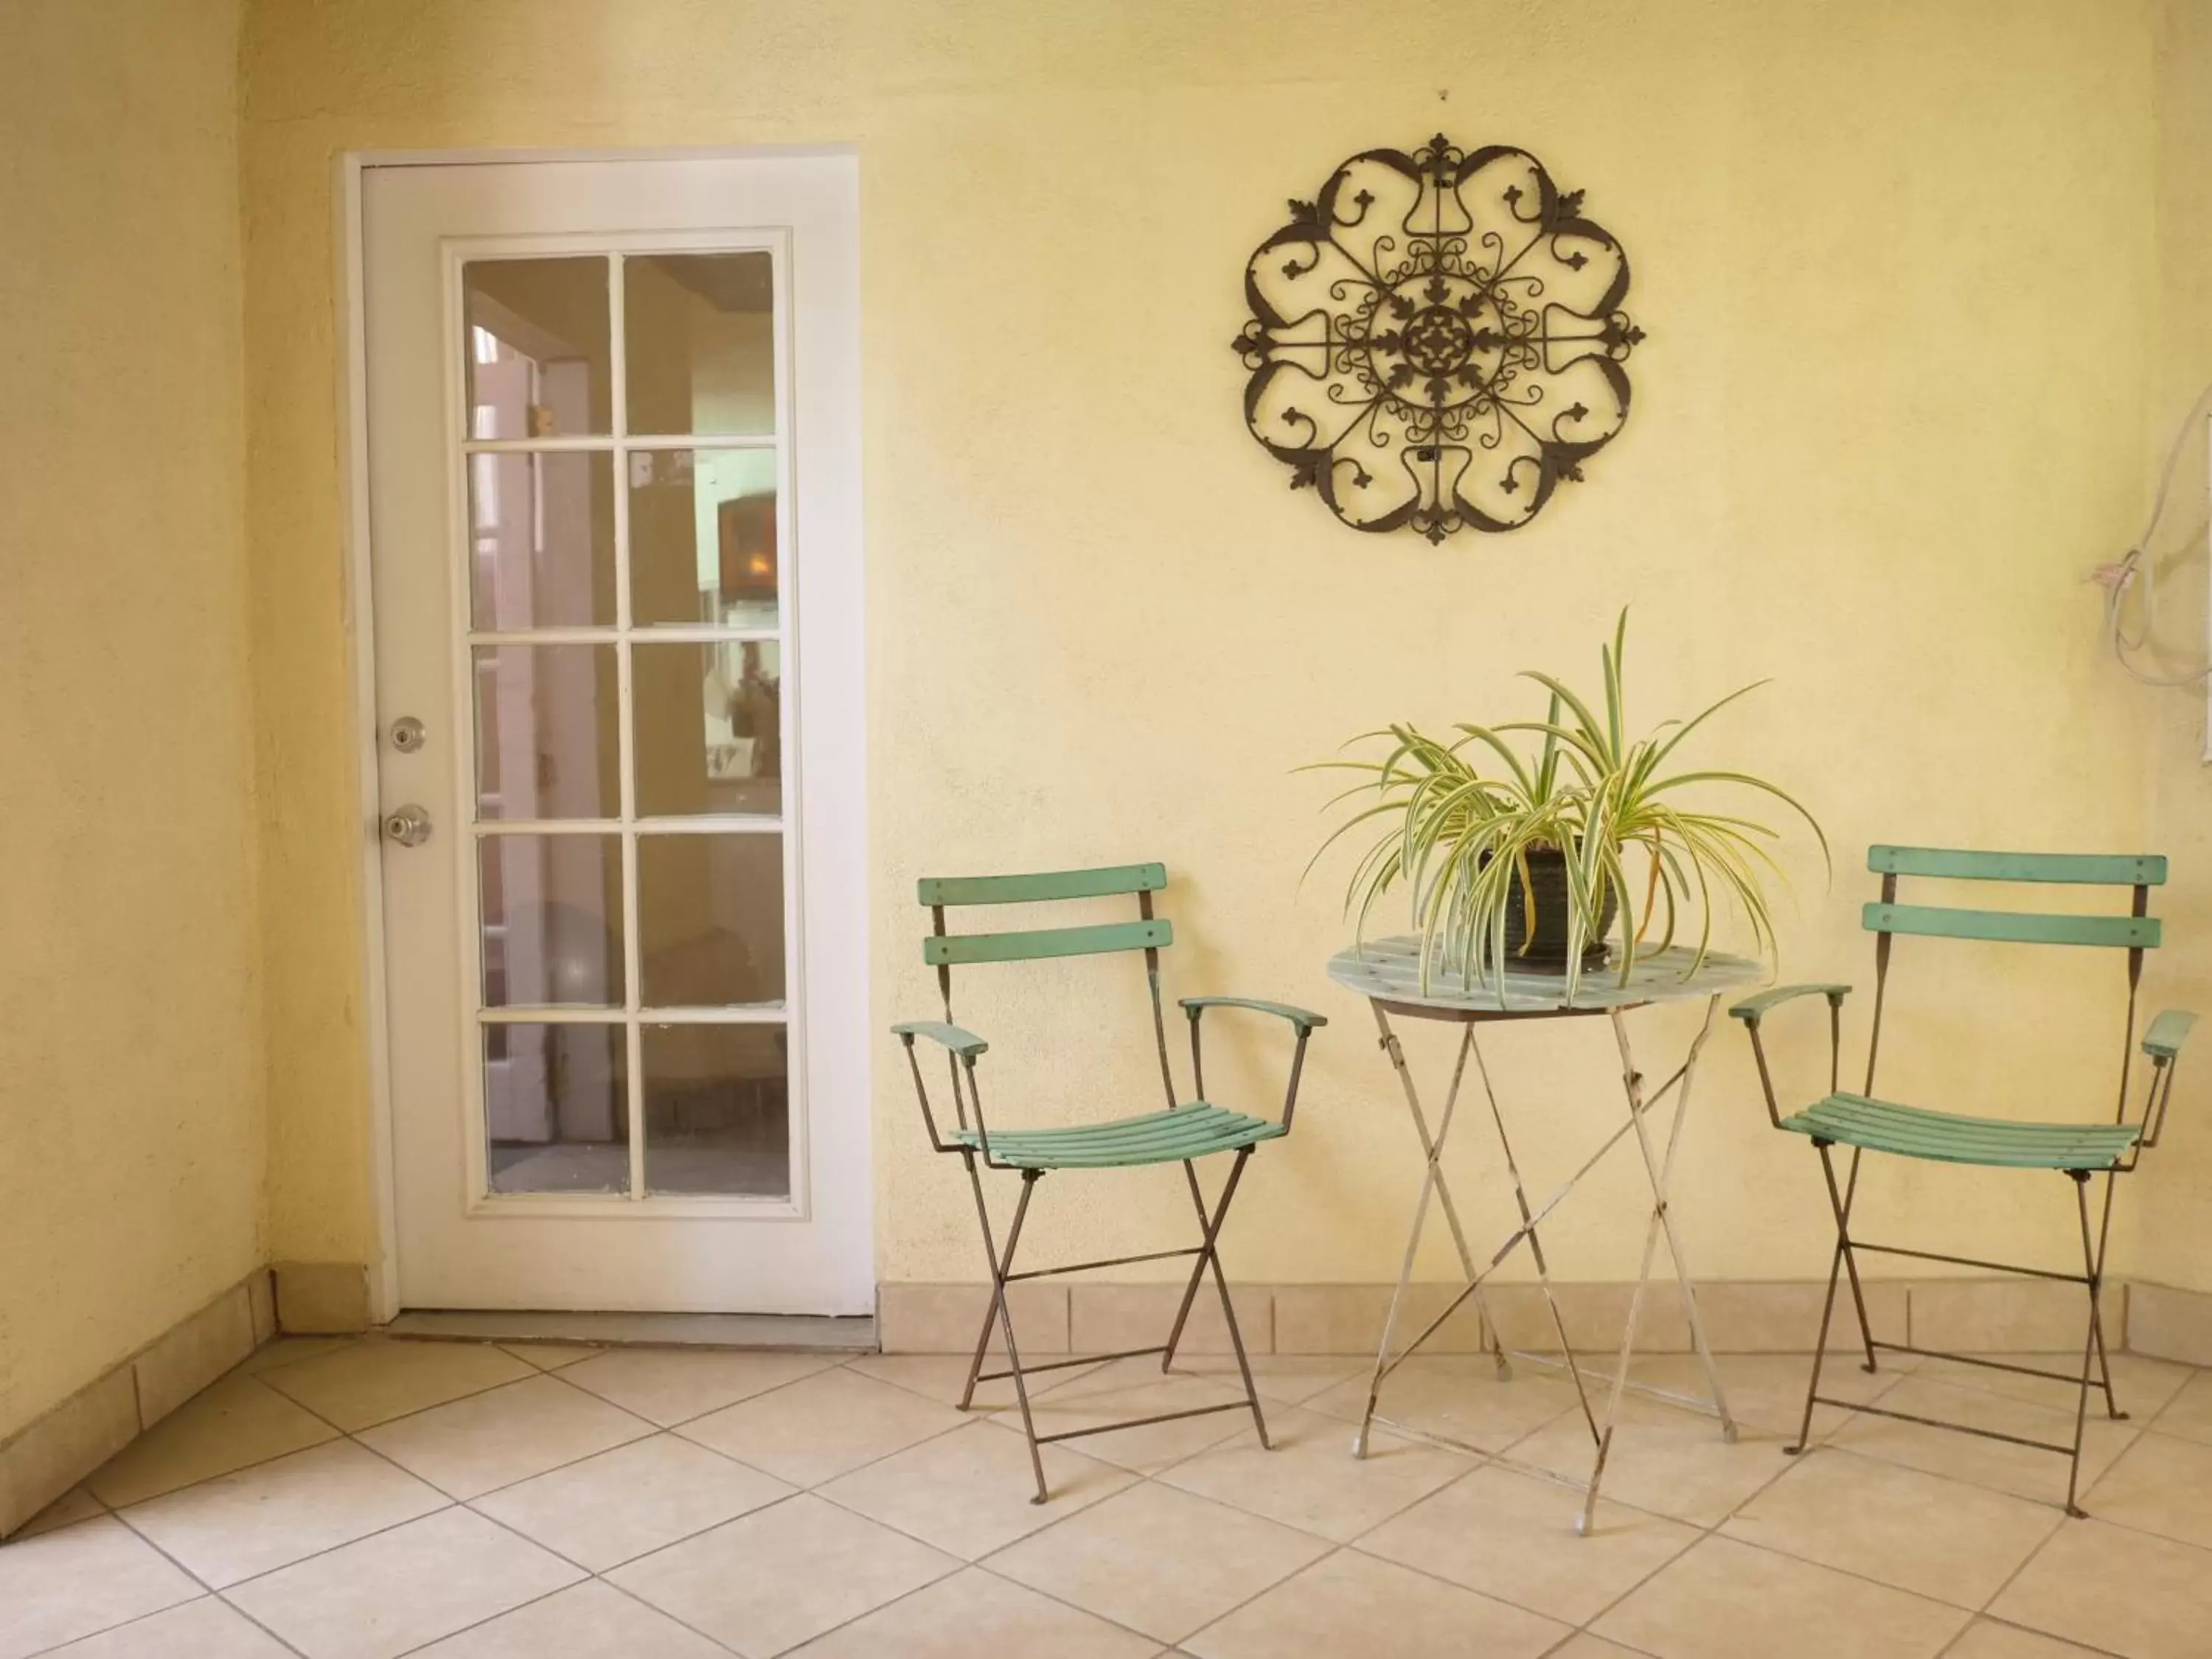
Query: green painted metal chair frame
(2077, 1150)
(1186, 1132)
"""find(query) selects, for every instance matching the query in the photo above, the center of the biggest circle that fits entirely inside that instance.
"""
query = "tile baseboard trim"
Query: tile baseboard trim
(52, 1453)
(2167, 1323)
(1967, 1315)
(782, 1333)
(321, 1298)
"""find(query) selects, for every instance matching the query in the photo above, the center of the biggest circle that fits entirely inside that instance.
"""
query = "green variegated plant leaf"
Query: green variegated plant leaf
(1452, 824)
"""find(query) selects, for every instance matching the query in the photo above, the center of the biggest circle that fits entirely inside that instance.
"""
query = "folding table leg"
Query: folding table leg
(1659, 1172)
(1536, 1245)
(1666, 1214)
(1393, 1047)
(1432, 1184)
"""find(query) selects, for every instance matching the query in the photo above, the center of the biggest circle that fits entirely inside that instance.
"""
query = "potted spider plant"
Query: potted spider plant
(1526, 862)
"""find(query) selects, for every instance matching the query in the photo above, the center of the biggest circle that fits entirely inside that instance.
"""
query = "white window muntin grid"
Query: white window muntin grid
(633, 1015)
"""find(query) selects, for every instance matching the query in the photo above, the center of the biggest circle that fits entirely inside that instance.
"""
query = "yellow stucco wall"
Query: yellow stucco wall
(131, 1127)
(1895, 258)
(2172, 1240)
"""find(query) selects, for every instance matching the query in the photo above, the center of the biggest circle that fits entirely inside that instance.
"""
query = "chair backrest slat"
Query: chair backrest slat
(2131, 935)
(941, 949)
(2133, 932)
(2076, 869)
(1042, 887)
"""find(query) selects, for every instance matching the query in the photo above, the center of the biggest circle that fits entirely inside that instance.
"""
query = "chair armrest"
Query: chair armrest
(1752, 1009)
(2162, 1042)
(964, 1043)
(1303, 1022)
(963, 1047)
(2167, 1033)
(1304, 1018)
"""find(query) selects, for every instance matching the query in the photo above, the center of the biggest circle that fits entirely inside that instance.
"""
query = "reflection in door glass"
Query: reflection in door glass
(699, 341)
(717, 1111)
(702, 536)
(555, 1112)
(548, 720)
(541, 539)
(710, 919)
(537, 347)
(704, 912)
(552, 921)
(708, 725)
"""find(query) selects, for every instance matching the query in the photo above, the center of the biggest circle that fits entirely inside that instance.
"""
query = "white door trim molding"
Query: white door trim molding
(350, 171)
(360, 652)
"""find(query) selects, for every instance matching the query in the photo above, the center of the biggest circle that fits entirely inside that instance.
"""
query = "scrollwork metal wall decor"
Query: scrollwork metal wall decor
(1436, 339)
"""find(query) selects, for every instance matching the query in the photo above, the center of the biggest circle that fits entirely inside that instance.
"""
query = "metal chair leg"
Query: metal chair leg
(2105, 1375)
(1000, 1269)
(1197, 1273)
(1841, 1202)
(1210, 1254)
(1209, 1229)
(2096, 1317)
(982, 1347)
(2093, 1342)
(1850, 1256)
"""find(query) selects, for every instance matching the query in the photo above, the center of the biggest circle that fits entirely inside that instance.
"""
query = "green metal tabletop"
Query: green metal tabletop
(1388, 971)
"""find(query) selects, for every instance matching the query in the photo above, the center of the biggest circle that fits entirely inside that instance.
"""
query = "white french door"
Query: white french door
(613, 471)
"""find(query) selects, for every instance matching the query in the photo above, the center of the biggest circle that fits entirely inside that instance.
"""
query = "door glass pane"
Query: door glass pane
(708, 728)
(547, 722)
(702, 543)
(699, 339)
(552, 921)
(710, 919)
(717, 1112)
(536, 340)
(541, 540)
(555, 1112)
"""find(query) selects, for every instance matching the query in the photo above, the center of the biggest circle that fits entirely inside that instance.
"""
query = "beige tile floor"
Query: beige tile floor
(367, 1499)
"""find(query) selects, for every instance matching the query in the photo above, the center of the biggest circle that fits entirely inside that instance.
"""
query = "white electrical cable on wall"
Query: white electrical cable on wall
(2120, 576)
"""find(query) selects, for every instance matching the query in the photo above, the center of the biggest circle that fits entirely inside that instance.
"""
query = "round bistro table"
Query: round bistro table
(1386, 972)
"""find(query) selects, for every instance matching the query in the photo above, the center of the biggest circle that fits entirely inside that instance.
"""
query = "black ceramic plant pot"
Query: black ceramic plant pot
(1547, 952)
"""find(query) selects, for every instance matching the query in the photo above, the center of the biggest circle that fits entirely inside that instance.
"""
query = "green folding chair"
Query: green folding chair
(1866, 1123)
(1186, 1132)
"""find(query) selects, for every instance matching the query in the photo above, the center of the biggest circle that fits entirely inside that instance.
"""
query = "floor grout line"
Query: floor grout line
(370, 1427)
(206, 1595)
(336, 1432)
(629, 1594)
(999, 1415)
(1140, 1478)
(1503, 1460)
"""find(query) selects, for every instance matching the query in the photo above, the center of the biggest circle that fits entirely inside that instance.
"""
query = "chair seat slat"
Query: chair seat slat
(1198, 1130)
(1883, 1126)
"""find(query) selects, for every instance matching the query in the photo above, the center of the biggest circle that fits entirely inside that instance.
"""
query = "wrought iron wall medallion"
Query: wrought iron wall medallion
(1437, 340)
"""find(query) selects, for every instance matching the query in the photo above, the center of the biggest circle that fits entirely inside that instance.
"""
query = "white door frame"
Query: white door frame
(350, 168)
